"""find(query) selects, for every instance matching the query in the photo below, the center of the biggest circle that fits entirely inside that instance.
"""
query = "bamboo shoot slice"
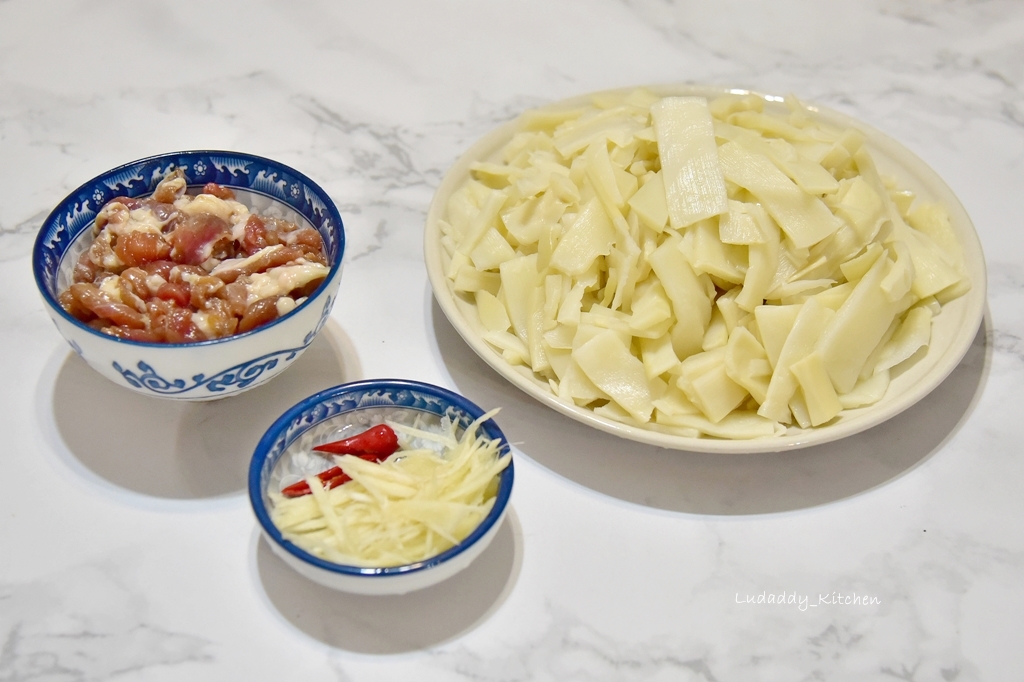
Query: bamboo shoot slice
(608, 363)
(803, 217)
(810, 321)
(857, 327)
(694, 186)
(819, 394)
(590, 236)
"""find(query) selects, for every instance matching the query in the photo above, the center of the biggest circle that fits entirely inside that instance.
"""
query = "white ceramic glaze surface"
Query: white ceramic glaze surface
(128, 548)
(953, 330)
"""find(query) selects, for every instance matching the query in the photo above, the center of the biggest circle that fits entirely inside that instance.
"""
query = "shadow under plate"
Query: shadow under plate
(709, 483)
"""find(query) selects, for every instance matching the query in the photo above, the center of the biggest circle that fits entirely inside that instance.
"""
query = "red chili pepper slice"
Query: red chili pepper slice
(377, 440)
(330, 478)
(327, 478)
(374, 445)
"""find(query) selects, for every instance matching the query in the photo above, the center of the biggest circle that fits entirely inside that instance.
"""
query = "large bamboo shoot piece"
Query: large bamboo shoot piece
(694, 186)
(608, 363)
(858, 327)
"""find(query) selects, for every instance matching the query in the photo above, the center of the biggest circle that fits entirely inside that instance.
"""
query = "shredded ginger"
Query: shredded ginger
(414, 505)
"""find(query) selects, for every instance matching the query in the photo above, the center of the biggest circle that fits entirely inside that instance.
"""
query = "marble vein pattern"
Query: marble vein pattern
(86, 626)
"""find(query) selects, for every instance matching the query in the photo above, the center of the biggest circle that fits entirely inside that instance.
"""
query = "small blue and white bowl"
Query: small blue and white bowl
(203, 370)
(345, 410)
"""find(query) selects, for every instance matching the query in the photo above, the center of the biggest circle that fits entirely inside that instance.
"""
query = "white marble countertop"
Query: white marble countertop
(128, 550)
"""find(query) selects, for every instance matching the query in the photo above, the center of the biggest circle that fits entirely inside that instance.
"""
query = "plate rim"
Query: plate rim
(857, 421)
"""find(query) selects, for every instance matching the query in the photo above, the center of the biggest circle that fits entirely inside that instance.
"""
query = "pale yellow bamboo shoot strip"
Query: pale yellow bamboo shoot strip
(803, 217)
(608, 363)
(591, 235)
(650, 204)
(809, 175)
(690, 302)
(694, 186)
(809, 323)
(818, 393)
(857, 327)
(933, 271)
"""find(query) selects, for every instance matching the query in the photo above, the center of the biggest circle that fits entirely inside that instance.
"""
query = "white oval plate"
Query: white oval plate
(953, 331)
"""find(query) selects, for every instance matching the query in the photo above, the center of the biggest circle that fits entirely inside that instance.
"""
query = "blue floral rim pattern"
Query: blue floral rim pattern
(240, 376)
(362, 395)
(77, 212)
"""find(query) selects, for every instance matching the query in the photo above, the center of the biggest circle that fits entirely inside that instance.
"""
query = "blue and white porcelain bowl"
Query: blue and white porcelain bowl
(347, 409)
(203, 370)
